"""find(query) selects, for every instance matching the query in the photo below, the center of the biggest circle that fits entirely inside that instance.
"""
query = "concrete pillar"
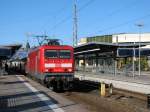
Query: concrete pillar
(84, 63)
(102, 89)
(110, 89)
(115, 67)
(96, 59)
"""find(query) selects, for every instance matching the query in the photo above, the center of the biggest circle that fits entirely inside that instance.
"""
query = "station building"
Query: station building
(121, 38)
(105, 62)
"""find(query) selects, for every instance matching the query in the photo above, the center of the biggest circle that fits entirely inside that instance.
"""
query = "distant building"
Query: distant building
(102, 38)
(83, 41)
(121, 38)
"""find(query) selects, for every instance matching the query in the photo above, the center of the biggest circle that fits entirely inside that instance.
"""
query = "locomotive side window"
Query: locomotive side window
(64, 54)
(51, 54)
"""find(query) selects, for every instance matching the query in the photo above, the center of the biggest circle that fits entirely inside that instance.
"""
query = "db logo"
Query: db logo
(57, 65)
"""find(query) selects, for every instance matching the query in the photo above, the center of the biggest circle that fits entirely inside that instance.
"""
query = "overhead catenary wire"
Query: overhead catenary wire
(112, 13)
(124, 23)
(58, 12)
(69, 17)
(120, 25)
(132, 4)
(85, 5)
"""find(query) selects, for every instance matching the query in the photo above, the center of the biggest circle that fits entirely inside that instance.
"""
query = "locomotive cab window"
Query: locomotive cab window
(51, 54)
(64, 54)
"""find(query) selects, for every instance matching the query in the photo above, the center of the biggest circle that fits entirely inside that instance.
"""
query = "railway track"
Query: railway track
(93, 88)
(85, 86)
(123, 102)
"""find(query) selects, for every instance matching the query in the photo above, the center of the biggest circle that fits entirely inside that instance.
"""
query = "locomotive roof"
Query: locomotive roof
(50, 46)
(55, 46)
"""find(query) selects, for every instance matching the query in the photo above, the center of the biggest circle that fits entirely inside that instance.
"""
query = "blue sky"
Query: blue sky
(95, 17)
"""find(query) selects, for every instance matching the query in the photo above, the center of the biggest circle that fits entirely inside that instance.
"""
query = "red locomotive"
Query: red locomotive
(52, 64)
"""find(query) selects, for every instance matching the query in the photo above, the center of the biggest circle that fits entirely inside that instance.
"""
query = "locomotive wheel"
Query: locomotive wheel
(55, 88)
(58, 86)
(61, 85)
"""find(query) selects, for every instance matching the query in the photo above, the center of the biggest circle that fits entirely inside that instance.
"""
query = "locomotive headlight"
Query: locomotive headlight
(69, 70)
(46, 70)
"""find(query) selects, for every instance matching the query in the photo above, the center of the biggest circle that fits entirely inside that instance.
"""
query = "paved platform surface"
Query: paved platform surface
(21, 94)
(140, 84)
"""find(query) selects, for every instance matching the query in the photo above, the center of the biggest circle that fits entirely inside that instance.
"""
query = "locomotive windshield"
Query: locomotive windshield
(64, 54)
(51, 54)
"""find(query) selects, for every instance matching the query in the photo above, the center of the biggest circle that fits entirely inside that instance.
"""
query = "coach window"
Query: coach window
(64, 54)
(51, 53)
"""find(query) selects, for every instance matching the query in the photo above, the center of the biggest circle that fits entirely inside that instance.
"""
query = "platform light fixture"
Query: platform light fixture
(139, 25)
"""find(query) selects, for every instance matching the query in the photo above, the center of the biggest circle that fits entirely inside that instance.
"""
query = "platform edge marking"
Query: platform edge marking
(43, 97)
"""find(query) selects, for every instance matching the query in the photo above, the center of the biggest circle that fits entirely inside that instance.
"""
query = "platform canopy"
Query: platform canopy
(6, 51)
(130, 52)
(101, 47)
(20, 55)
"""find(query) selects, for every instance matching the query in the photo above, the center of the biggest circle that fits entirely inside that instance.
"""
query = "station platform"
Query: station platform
(21, 94)
(138, 84)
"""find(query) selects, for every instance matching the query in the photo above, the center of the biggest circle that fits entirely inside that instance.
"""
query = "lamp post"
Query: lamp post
(133, 60)
(140, 25)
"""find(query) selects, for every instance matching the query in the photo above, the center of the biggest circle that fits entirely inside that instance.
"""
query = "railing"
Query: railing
(2, 71)
(97, 70)
(108, 69)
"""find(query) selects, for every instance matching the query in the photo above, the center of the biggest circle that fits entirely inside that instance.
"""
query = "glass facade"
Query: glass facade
(104, 38)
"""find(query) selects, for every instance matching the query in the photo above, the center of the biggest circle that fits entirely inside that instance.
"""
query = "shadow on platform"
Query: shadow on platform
(18, 102)
(16, 82)
(84, 86)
